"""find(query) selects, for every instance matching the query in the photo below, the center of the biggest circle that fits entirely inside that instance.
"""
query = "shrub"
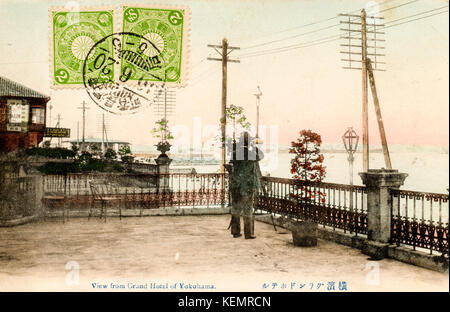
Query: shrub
(59, 168)
(110, 154)
(57, 152)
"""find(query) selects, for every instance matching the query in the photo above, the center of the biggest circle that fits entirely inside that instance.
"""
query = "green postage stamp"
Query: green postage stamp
(153, 38)
(164, 29)
(72, 36)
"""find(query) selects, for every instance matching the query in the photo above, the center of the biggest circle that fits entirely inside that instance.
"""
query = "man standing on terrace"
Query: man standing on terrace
(244, 183)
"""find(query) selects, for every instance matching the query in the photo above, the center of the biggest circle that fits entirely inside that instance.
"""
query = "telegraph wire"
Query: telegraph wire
(336, 37)
(320, 41)
(292, 37)
(407, 17)
(208, 69)
(200, 78)
(323, 28)
(416, 19)
(414, 15)
(310, 24)
(293, 47)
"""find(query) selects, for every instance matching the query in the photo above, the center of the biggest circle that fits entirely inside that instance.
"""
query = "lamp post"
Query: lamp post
(350, 139)
(258, 97)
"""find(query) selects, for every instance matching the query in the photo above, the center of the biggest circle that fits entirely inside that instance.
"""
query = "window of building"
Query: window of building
(37, 115)
(18, 114)
(17, 111)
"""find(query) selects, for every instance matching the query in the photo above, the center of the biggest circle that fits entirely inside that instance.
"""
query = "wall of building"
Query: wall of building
(12, 140)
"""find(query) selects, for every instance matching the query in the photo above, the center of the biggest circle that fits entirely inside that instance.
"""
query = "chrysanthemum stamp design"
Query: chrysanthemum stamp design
(163, 49)
(73, 34)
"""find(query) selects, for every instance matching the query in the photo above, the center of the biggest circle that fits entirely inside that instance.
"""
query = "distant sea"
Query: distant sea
(427, 171)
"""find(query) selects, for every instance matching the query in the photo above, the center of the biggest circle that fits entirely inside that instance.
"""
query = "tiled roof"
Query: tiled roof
(12, 88)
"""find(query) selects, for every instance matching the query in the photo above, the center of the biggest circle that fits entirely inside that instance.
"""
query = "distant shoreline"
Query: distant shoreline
(196, 158)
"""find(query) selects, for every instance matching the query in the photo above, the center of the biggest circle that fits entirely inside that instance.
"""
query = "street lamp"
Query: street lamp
(350, 139)
(258, 97)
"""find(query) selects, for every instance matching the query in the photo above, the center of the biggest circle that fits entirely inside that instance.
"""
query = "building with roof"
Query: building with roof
(22, 115)
(94, 144)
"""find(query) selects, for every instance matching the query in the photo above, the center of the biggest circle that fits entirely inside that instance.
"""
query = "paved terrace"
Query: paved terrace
(187, 249)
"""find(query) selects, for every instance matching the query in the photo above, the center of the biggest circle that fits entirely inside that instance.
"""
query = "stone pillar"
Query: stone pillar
(378, 182)
(39, 194)
(163, 161)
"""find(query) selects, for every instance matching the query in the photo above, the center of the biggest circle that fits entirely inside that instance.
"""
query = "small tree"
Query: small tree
(236, 114)
(240, 124)
(161, 130)
(307, 164)
(110, 154)
(125, 154)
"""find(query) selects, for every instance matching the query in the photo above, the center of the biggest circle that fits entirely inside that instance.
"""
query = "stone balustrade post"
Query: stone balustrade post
(38, 182)
(163, 161)
(378, 182)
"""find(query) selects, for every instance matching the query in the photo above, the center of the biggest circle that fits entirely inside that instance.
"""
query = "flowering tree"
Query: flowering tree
(307, 162)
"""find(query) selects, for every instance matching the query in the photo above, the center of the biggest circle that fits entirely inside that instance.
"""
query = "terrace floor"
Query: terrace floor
(196, 250)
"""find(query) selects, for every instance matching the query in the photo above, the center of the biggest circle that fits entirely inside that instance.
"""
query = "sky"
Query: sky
(303, 88)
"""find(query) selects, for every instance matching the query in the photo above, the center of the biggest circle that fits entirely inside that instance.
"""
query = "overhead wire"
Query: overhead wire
(332, 38)
(321, 29)
(336, 37)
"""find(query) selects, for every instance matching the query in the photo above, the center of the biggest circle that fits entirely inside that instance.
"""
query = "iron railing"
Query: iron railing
(420, 220)
(138, 190)
(76, 185)
(193, 189)
(338, 206)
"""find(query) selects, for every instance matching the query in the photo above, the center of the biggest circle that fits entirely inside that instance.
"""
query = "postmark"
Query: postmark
(162, 43)
(72, 35)
(111, 93)
(167, 29)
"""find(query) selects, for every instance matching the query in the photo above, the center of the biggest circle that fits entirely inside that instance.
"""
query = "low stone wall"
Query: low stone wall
(169, 211)
(18, 221)
(375, 250)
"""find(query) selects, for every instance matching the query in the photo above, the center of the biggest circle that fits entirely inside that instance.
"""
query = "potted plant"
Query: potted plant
(306, 166)
(161, 131)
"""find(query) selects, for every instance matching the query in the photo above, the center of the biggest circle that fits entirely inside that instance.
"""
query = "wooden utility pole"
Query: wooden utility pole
(84, 107)
(353, 44)
(223, 120)
(224, 102)
(387, 158)
(365, 114)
